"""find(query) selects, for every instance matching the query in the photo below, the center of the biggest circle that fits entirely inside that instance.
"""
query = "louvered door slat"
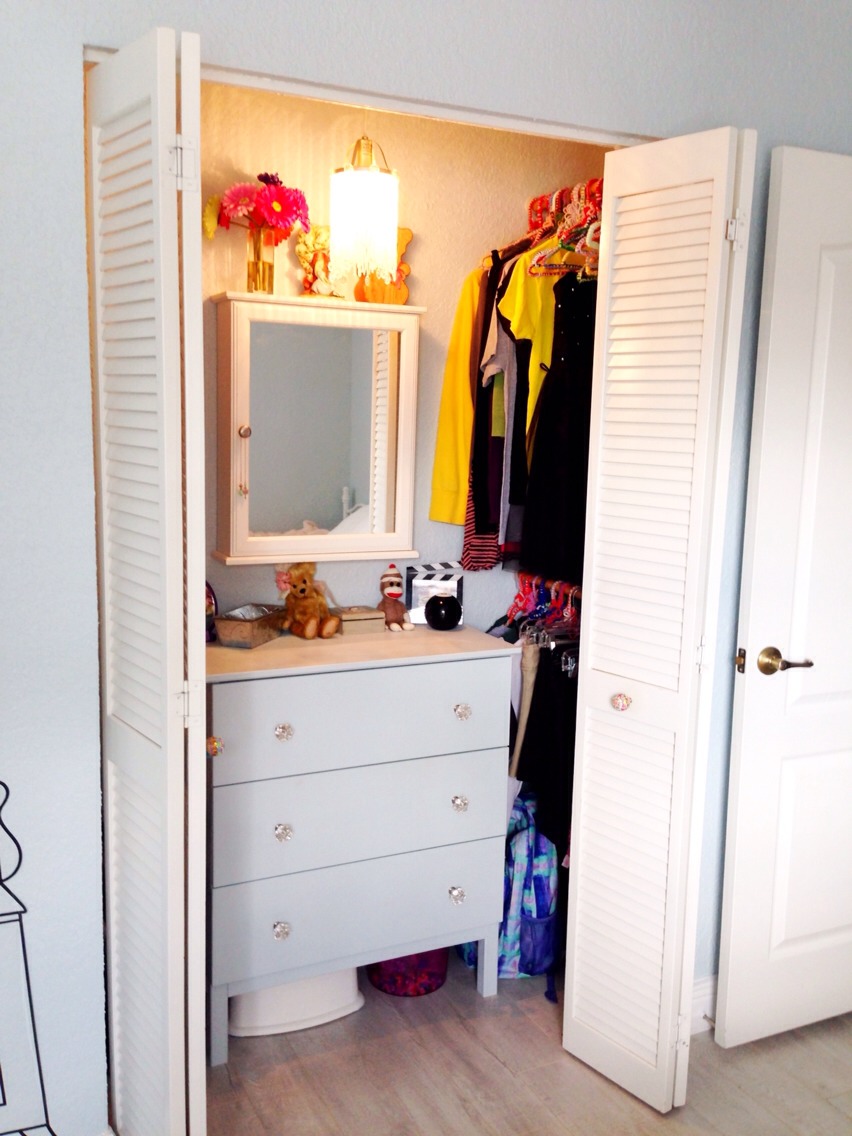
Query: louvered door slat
(662, 291)
(647, 436)
(663, 277)
(671, 200)
(636, 325)
(129, 310)
(657, 370)
(123, 253)
(645, 311)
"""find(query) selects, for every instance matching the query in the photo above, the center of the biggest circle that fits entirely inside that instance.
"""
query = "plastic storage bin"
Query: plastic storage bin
(411, 975)
(295, 1005)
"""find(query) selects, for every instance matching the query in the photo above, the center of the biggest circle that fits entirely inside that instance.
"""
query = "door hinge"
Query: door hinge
(183, 162)
(735, 229)
(699, 654)
(191, 702)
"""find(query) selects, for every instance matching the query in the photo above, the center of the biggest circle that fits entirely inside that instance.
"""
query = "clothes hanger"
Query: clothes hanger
(544, 214)
(557, 261)
(521, 245)
(577, 233)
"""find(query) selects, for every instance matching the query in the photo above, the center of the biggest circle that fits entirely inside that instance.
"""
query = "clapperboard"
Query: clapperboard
(422, 581)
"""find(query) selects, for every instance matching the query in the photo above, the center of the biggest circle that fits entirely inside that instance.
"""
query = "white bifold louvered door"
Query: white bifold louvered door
(150, 668)
(668, 321)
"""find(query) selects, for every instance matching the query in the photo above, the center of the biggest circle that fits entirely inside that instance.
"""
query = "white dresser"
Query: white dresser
(358, 805)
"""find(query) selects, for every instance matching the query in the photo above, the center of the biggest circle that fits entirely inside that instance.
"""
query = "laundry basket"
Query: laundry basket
(411, 975)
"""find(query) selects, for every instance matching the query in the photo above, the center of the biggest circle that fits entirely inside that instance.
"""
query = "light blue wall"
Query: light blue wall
(650, 68)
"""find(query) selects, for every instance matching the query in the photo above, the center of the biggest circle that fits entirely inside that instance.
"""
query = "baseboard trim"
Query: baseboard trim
(703, 1004)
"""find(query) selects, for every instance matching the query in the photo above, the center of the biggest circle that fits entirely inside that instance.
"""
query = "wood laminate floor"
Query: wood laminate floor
(453, 1064)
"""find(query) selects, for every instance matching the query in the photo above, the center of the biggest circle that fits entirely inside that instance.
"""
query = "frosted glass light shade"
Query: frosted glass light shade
(364, 220)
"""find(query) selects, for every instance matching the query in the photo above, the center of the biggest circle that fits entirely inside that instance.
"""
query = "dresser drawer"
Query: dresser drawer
(305, 723)
(315, 820)
(352, 909)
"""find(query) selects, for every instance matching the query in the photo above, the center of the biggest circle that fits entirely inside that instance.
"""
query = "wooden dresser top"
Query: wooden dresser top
(288, 655)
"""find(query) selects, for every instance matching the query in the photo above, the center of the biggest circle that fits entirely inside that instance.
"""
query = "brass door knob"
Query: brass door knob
(769, 661)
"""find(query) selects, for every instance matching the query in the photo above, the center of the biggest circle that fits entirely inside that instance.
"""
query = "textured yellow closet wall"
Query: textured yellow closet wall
(463, 191)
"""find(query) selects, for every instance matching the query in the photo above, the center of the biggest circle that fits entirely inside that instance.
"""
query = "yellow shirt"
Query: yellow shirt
(529, 306)
(451, 467)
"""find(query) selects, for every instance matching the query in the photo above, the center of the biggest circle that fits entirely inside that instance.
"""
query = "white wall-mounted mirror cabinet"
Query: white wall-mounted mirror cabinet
(316, 429)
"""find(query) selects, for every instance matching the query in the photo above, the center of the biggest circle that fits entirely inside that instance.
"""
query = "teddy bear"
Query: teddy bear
(306, 612)
(390, 585)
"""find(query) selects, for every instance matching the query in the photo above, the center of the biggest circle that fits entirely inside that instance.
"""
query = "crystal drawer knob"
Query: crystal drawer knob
(460, 804)
(462, 711)
(457, 895)
(214, 747)
(620, 701)
(284, 731)
(283, 832)
(280, 931)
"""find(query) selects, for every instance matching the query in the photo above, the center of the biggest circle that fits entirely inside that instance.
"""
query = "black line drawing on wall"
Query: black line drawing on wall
(23, 1107)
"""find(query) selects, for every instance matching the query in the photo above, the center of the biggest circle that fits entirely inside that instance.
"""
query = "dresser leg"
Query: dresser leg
(218, 1028)
(486, 966)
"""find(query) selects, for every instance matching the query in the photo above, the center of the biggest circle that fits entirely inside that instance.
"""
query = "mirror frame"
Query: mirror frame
(235, 542)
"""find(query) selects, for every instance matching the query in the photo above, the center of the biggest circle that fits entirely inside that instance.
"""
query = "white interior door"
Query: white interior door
(786, 955)
(667, 333)
(149, 669)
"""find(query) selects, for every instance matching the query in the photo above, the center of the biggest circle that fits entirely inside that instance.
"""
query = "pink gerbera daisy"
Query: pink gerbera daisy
(280, 208)
(238, 201)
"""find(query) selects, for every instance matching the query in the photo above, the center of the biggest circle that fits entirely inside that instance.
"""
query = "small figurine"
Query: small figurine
(396, 617)
(282, 580)
(306, 611)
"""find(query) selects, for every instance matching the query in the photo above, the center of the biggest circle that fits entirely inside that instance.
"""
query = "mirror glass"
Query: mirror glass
(316, 425)
(316, 463)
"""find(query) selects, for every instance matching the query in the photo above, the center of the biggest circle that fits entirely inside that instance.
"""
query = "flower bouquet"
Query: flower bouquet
(268, 211)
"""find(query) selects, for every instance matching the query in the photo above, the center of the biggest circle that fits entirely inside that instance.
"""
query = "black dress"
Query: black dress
(555, 508)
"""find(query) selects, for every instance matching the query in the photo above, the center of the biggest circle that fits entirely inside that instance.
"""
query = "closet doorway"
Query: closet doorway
(662, 379)
(465, 189)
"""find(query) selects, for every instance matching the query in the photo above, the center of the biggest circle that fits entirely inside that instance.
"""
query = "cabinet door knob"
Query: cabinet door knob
(460, 804)
(462, 711)
(214, 746)
(280, 931)
(284, 731)
(283, 832)
(457, 895)
(620, 701)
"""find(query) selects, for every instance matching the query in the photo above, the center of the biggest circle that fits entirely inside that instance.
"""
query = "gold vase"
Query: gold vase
(260, 251)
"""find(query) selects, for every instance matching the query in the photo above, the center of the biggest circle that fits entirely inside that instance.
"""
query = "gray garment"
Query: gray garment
(503, 359)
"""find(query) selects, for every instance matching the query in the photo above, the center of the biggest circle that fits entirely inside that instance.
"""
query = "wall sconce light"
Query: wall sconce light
(364, 216)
